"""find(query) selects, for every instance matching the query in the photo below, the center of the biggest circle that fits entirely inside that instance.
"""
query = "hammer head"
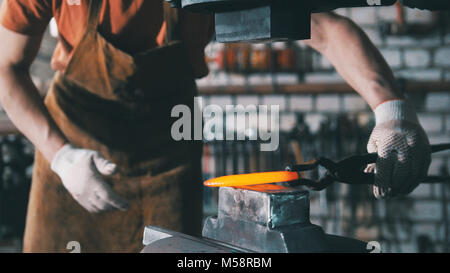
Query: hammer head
(267, 20)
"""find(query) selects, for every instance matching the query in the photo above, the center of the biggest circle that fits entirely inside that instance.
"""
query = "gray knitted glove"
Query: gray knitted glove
(403, 150)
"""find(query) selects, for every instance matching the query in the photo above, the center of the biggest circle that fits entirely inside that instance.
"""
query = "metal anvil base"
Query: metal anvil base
(266, 219)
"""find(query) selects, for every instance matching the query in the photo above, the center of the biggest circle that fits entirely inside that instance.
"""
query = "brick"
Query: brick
(287, 122)
(447, 76)
(286, 78)
(354, 103)
(431, 40)
(434, 232)
(447, 123)
(247, 100)
(440, 138)
(426, 210)
(260, 79)
(374, 35)
(316, 207)
(442, 56)
(436, 166)
(400, 234)
(408, 247)
(323, 77)
(420, 74)
(328, 103)
(417, 58)
(363, 15)
(423, 191)
(342, 11)
(204, 82)
(447, 38)
(221, 101)
(236, 79)
(393, 57)
(301, 103)
(432, 123)
(387, 14)
(219, 79)
(438, 101)
(400, 41)
(418, 16)
(380, 209)
(275, 100)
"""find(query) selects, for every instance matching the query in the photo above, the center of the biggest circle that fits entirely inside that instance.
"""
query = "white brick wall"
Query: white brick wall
(363, 15)
(221, 101)
(447, 123)
(438, 101)
(354, 103)
(420, 74)
(388, 14)
(432, 123)
(393, 57)
(328, 103)
(417, 58)
(301, 103)
(275, 100)
(322, 77)
(247, 100)
(442, 56)
(418, 16)
(426, 210)
(424, 190)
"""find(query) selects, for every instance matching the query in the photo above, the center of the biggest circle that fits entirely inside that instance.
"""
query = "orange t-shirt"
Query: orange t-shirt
(131, 25)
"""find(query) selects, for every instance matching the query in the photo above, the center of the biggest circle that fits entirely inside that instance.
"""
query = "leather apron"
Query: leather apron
(120, 105)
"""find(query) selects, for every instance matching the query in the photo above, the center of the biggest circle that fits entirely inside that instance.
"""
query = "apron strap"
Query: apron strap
(171, 19)
(172, 22)
(95, 7)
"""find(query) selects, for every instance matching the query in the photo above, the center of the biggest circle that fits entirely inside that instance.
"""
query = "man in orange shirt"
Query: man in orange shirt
(105, 163)
(103, 135)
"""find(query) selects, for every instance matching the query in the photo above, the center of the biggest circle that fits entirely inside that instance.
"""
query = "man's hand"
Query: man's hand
(81, 173)
(403, 149)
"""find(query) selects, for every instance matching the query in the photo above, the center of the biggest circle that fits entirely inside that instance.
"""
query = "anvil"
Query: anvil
(263, 219)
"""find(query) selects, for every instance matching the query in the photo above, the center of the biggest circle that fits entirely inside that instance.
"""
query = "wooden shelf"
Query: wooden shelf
(6, 127)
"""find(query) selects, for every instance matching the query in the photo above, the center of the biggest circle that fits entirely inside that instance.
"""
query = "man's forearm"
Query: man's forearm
(24, 106)
(355, 57)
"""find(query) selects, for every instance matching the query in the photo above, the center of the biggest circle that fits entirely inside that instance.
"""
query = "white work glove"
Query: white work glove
(403, 149)
(81, 173)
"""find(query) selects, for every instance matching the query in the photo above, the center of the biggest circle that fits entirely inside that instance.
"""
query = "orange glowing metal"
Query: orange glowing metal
(252, 179)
